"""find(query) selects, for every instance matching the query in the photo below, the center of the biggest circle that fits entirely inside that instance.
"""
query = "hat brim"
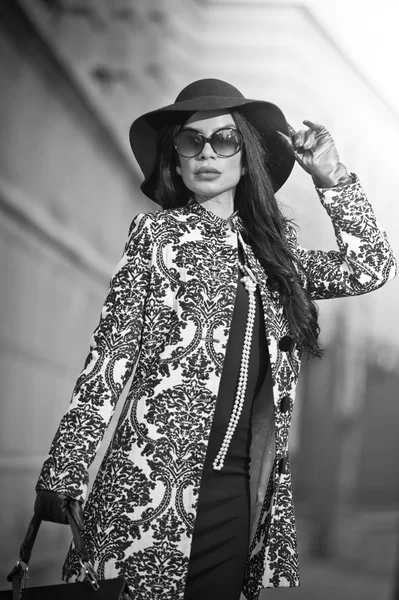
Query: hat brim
(266, 117)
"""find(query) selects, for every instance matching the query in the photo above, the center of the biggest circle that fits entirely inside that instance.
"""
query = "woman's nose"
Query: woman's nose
(207, 151)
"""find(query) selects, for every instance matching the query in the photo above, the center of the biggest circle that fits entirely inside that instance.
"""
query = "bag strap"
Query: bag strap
(26, 547)
(81, 549)
(19, 574)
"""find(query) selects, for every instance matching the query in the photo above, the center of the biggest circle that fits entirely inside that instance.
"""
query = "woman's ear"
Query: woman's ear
(244, 170)
(178, 170)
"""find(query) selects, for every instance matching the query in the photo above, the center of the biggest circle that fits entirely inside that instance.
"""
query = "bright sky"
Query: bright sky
(368, 30)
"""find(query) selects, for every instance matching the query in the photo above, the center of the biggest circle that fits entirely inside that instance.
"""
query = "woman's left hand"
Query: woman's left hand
(314, 149)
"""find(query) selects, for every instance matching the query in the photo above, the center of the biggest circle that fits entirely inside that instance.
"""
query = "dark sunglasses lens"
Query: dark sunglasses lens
(189, 143)
(226, 142)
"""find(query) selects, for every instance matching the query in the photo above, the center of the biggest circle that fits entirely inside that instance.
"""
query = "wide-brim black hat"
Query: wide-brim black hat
(212, 94)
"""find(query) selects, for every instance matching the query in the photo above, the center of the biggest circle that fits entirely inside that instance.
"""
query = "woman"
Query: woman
(212, 294)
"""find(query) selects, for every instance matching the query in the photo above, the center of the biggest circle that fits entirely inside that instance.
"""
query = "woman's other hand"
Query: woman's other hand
(52, 506)
(314, 149)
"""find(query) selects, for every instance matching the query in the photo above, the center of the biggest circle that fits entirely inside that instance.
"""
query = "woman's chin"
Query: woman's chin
(211, 191)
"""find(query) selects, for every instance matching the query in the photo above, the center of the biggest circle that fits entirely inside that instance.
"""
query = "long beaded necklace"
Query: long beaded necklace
(249, 282)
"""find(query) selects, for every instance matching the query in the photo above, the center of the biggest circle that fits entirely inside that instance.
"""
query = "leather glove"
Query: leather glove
(314, 149)
(52, 506)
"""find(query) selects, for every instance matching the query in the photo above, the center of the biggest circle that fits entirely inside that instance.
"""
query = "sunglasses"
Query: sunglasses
(225, 142)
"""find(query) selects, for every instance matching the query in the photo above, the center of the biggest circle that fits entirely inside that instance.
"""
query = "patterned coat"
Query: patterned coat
(168, 313)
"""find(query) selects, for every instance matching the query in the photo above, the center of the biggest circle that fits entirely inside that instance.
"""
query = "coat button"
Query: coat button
(281, 465)
(285, 404)
(286, 343)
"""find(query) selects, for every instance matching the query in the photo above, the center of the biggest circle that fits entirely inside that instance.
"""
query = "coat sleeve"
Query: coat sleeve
(113, 353)
(364, 260)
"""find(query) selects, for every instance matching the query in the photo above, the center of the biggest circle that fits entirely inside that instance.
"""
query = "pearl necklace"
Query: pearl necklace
(249, 282)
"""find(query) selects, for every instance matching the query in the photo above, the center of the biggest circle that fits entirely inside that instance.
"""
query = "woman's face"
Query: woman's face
(208, 175)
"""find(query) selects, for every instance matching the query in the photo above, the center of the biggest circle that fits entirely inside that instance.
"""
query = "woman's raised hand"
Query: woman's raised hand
(314, 149)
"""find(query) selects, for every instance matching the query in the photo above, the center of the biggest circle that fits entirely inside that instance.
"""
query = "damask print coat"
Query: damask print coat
(168, 313)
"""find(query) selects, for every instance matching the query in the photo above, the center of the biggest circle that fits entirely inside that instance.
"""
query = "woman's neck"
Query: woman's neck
(222, 205)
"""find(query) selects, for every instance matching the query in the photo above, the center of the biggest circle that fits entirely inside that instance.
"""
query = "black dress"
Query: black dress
(221, 532)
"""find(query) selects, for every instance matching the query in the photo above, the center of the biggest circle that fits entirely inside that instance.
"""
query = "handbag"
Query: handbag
(90, 589)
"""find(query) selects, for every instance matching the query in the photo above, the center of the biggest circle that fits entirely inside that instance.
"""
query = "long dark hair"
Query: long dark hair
(263, 221)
